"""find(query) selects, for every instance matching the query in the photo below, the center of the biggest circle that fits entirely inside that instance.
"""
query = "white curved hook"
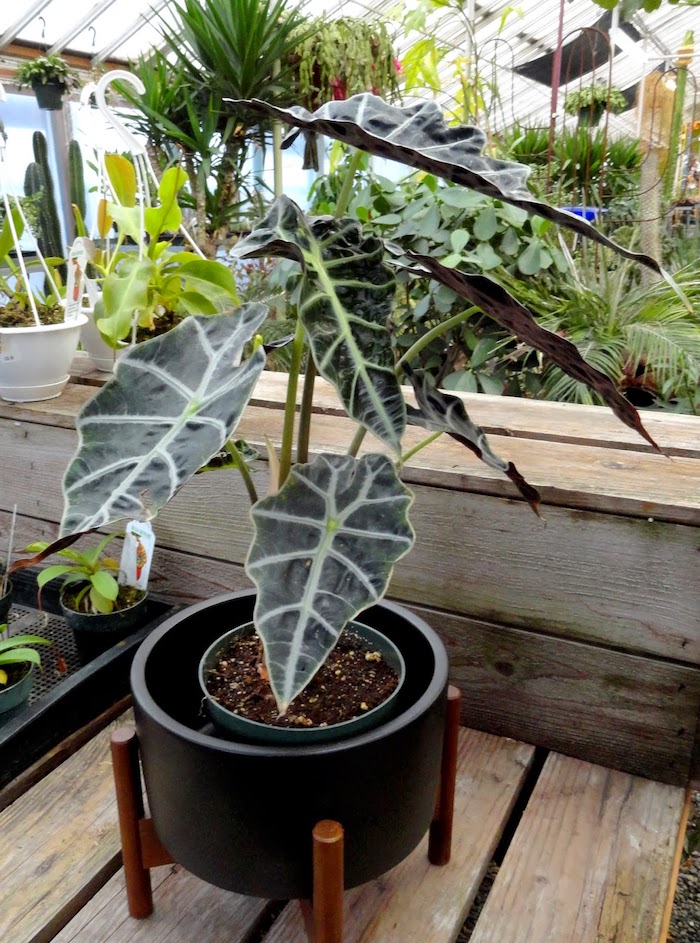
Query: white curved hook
(121, 75)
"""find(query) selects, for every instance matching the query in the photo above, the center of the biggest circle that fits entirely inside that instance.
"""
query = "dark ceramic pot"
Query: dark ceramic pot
(49, 96)
(95, 634)
(240, 815)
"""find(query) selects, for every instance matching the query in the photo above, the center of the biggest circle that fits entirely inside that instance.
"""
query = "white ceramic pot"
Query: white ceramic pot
(35, 361)
(102, 355)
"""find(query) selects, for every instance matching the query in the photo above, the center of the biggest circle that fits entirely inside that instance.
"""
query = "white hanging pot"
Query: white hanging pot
(35, 361)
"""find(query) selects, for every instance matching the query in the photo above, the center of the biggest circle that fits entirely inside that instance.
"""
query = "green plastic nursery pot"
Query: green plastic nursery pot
(95, 633)
(5, 602)
(16, 695)
(49, 96)
(238, 727)
(239, 814)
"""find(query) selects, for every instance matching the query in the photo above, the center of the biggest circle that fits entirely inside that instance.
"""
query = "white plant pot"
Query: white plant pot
(102, 355)
(35, 361)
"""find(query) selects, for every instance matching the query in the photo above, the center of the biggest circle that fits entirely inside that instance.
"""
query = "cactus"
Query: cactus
(77, 178)
(35, 190)
(51, 243)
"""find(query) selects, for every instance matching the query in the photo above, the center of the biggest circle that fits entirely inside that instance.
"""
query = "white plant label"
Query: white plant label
(80, 254)
(137, 554)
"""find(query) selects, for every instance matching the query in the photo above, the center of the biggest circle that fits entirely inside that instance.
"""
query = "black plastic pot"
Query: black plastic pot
(240, 815)
(95, 633)
(49, 96)
(5, 602)
(14, 699)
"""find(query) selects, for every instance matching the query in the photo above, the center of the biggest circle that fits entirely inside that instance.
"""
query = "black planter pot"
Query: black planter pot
(5, 602)
(240, 815)
(95, 634)
(49, 96)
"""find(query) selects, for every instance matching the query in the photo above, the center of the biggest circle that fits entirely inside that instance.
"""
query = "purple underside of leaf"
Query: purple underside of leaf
(516, 319)
(418, 136)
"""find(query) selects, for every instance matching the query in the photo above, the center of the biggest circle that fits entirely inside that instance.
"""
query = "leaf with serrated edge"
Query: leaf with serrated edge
(346, 298)
(442, 412)
(417, 135)
(173, 402)
(323, 550)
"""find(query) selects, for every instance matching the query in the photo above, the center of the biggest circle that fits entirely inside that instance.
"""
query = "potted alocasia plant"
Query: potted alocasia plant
(50, 77)
(239, 812)
(147, 283)
(37, 343)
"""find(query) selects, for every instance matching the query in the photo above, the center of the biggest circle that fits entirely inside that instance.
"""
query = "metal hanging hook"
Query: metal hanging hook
(43, 26)
(93, 30)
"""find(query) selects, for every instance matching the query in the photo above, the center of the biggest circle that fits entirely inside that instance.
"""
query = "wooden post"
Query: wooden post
(127, 782)
(324, 917)
(440, 841)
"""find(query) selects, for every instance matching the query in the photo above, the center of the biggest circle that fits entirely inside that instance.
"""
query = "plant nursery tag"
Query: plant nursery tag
(137, 553)
(78, 258)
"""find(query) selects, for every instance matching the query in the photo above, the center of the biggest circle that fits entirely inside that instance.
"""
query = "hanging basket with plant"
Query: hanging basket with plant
(591, 101)
(50, 77)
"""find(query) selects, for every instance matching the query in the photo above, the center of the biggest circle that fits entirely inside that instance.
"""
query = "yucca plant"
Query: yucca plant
(327, 535)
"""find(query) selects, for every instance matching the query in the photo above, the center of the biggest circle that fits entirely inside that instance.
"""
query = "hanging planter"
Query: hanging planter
(50, 77)
(591, 102)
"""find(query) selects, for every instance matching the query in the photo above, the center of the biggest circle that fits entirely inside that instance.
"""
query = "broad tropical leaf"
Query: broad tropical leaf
(518, 320)
(124, 292)
(173, 402)
(347, 295)
(417, 135)
(323, 551)
(442, 412)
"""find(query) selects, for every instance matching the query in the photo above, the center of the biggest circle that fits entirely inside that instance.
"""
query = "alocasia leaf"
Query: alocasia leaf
(417, 135)
(346, 298)
(324, 548)
(442, 412)
(173, 403)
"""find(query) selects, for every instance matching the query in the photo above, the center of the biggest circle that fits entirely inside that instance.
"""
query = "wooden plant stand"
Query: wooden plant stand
(323, 915)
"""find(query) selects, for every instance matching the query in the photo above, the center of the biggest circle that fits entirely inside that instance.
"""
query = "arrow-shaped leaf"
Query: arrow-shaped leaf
(323, 550)
(173, 402)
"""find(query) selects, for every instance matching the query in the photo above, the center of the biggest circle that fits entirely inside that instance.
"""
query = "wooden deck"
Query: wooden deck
(588, 855)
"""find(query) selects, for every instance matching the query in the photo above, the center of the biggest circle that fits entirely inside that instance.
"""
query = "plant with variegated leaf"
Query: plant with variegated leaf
(328, 534)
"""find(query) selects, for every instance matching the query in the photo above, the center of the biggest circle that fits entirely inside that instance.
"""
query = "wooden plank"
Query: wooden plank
(628, 712)
(592, 860)
(185, 909)
(415, 900)
(612, 480)
(60, 844)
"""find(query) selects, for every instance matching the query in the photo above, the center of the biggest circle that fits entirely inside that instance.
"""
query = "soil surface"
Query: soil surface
(128, 596)
(16, 315)
(162, 323)
(353, 680)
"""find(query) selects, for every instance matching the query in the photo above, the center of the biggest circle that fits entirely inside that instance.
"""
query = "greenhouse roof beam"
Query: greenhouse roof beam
(16, 28)
(78, 27)
(118, 41)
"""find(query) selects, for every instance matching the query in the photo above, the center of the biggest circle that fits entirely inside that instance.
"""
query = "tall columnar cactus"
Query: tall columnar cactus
(50, 223)
(77, 177)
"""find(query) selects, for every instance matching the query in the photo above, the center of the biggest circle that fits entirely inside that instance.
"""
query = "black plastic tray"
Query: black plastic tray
(64, 697)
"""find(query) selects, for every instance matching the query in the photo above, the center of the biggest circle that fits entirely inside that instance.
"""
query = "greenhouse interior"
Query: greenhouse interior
(414, 285)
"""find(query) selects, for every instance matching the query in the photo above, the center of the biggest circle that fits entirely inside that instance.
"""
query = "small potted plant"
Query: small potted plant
(17, 662)
(591, 102)
(50, 77)
(100, 610)
(37, 343)
(327, 533)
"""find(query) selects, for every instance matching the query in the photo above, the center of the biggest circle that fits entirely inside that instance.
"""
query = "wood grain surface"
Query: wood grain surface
(592, 860)
(416, 900)
(60, 844)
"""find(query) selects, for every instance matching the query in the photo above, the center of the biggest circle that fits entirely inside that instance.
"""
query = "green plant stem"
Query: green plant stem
(290, 404)
(434, 332)
(421, 445)
(346, 189)
(307, 399)
(357, 440)
(244, 470)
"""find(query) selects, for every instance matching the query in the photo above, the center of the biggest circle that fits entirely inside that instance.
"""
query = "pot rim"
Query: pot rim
(45, 328)
(102, 615)
(437, 685)
(21, 680)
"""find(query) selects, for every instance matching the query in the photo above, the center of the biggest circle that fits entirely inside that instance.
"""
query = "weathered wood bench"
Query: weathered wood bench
(580, 635)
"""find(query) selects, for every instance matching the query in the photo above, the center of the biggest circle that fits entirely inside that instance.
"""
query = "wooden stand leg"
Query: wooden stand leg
(323, 917)
(440, 841)
(127, 781)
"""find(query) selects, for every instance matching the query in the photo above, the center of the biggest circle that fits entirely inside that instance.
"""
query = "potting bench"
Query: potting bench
(578, 633)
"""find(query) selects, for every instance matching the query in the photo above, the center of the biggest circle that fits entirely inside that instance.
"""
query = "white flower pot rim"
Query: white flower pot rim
(45, 328)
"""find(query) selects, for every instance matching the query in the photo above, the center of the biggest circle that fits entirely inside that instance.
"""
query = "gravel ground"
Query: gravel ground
(685, 920)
